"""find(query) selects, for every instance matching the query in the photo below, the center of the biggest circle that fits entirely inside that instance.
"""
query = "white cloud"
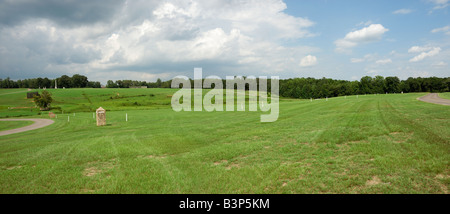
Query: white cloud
(367, 34)
(440, 4)
(367, 58)
(365, 23)
(402, 11)
(434, 51)
(440, 64)
(383, 61)
(158, 38)
(445, 30)
(308, 61)
(418, 49)
(356, 60)
(372, 33)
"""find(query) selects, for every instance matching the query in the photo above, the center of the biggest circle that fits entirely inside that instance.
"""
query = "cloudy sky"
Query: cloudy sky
(146, 40)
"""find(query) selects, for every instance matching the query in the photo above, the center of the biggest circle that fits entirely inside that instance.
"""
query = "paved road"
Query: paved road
(38, 123)
(434, 98)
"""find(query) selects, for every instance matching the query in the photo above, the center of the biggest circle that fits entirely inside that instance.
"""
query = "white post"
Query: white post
(311, 99)
(327, 98)
(126, 117)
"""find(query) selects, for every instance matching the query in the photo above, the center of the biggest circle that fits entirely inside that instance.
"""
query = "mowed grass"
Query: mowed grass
(370, 144)
(7, 125)
(445, 95)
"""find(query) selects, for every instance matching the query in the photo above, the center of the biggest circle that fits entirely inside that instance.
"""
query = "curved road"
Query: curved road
(38, 123)
(434, 98)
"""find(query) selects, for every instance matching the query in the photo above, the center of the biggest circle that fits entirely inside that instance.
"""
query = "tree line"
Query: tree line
(305, 88)
(134, 83)
(320, 88)
(76, 81)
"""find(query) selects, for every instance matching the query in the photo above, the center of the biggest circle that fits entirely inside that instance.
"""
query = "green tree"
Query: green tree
(392, 84)
(366, 85)
(379, 85)
(158, 83)
(43, 100)
(64, 81)
(79, 81)
(46, 83)
(111, 84)
(94, 84)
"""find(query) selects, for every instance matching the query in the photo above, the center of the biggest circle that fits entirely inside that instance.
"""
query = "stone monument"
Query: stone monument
(101, 116)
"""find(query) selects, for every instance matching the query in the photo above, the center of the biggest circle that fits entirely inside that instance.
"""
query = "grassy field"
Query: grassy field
(370, 144)
(6, 125)
(445, 95)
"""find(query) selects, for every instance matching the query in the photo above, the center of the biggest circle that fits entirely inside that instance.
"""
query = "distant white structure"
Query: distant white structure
(56, 86)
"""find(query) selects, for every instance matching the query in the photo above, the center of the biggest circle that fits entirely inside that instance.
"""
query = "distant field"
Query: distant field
(87, 100)
(371, 144)
(11, 91)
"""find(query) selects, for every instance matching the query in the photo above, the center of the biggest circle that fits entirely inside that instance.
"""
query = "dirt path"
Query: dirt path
(434, 98)
(38, 123)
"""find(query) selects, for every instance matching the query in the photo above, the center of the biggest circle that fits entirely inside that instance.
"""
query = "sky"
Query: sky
(145, 40)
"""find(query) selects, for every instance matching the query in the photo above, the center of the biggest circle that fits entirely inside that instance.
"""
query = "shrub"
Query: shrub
(43, 100)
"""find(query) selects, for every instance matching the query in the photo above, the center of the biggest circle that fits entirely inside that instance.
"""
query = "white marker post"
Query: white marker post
(126, 117)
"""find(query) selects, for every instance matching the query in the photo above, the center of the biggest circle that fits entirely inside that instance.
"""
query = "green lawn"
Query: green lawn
(445, 95)
(6, 125)
(371, 144)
